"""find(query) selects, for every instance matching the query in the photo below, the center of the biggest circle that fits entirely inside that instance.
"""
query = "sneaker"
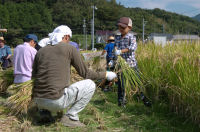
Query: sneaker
(66, 121)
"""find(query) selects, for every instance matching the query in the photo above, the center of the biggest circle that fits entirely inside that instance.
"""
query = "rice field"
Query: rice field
(172, 76)
(170, 79)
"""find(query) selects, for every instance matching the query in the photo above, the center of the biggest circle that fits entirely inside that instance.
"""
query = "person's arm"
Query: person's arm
(132, 44)
(34, 71)
(8, 50)
(124, 50)
(8, 57)
(131, 47)
(82, 69)
(103, 52)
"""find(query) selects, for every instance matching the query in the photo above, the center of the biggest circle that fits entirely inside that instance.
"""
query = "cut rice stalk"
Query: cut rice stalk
(132, 78)
(21, 100)
(6, 79)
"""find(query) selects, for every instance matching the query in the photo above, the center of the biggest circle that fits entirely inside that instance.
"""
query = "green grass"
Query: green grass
(103, 114)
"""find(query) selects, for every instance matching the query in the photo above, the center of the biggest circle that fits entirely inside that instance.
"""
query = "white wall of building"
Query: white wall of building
(160, 40)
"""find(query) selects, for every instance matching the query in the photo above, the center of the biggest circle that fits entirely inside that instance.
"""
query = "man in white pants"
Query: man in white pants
(51, 72)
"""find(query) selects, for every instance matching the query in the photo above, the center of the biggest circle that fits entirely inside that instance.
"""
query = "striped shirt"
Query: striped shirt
(127, 42)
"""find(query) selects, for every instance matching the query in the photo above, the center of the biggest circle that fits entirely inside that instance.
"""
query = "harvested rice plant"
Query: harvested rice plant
(169, 77)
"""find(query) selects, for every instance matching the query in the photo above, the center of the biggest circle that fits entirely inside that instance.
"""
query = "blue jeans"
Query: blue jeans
(5, 63)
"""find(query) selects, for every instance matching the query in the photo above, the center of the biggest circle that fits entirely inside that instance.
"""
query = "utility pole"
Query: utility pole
(163, 28)
(92, 31)
(84, 31)
(143, 28)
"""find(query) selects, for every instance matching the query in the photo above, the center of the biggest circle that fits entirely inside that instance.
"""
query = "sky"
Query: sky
(185, 7)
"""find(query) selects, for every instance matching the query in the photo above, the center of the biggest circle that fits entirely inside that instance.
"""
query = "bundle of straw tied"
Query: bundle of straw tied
(20, 94)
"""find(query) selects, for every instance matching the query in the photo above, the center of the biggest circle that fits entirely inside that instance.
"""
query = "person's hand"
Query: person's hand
(110, 75)
(111, 63)
(118, 52)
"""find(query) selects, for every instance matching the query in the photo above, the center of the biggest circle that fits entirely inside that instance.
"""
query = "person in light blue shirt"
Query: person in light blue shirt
(5, 54)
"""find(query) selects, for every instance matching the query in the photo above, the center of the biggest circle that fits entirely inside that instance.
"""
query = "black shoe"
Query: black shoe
(107, 89)
(45, 116)
(122, 103)
(145, 100)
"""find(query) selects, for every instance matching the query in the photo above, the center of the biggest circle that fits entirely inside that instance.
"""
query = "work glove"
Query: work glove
(118, 52)
(110, 75)
(111, 63)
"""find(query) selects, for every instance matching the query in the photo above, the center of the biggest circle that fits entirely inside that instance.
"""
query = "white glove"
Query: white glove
(118, 52)
(111, 63)
(110, 75)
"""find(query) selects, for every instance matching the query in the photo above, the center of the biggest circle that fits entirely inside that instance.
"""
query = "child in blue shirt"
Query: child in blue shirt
(110, 52)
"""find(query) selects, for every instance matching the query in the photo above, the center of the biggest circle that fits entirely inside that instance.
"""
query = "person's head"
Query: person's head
(60, 34)
(43, 42)
(32, 39)
(124, 25)
(111, 39)
(2, 42)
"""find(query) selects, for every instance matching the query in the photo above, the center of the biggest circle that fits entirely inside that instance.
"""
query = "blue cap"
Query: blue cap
(32, 36)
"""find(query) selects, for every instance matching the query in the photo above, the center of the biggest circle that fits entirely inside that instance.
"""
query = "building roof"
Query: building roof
(169, 36)
(186, 37)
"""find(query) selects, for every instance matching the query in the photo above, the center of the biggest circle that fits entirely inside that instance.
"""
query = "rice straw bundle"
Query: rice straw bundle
(6, 79)
(20, 101)
(74, 76)
(132, 78)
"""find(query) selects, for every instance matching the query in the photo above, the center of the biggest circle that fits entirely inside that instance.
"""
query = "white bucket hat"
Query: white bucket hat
(58, 33)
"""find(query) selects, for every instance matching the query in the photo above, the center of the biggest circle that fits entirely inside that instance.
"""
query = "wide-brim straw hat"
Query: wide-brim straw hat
(111, 38)
(2, 38)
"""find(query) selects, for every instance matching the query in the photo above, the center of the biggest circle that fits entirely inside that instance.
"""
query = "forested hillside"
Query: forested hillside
(41, 16)
(197, 17)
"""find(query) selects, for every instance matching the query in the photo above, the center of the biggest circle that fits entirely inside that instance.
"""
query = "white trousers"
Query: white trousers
(75, 98)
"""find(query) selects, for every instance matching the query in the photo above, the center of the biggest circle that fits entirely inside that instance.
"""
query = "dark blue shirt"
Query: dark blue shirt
(109, 48)
(5, 51)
